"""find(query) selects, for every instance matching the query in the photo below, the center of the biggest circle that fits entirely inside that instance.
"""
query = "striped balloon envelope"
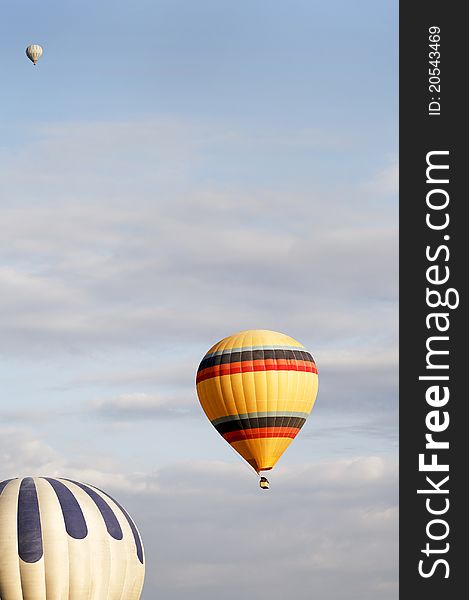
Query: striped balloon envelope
(34, 53)
(257, 387)
(64, 540)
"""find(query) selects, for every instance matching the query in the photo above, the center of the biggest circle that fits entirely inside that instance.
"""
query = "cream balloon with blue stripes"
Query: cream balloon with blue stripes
(65, 540)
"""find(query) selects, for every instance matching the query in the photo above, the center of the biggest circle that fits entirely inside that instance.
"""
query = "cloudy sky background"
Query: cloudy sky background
(170, 173)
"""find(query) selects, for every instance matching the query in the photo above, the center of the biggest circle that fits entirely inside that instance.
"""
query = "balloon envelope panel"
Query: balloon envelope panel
(61, 539)
(257, 387)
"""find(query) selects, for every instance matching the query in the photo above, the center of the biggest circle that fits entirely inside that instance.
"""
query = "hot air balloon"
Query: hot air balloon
(257, 388)
(34, 52)
(64, 539)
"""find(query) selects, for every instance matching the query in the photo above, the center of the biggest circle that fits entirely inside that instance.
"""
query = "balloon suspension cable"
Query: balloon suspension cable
(263, 482)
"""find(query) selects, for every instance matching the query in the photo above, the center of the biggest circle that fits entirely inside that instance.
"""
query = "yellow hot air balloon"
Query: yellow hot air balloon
(64, 539)
(257, 387)
(34, 53)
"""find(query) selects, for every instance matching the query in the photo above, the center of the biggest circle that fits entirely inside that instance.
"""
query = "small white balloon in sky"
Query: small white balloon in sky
(34, 53)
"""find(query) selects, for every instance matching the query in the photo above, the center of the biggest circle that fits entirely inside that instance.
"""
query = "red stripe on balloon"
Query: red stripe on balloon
(250, 366)
(261, 432)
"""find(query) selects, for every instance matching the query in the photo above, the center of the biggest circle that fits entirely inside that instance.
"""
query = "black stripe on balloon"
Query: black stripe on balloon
(29, 522)
(110, 519)
(75, 524)
(138, 542)
(233, 357)
(3, 485)
(259, 422)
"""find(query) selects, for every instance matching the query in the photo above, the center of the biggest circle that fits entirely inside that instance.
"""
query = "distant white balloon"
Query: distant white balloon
(34, 53)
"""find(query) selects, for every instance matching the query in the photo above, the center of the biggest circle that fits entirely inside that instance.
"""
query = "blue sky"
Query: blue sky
(173, 172)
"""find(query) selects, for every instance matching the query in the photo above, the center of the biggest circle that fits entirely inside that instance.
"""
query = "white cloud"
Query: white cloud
(331, 527)
(143, 406)
(114, 239)
(24, 454)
